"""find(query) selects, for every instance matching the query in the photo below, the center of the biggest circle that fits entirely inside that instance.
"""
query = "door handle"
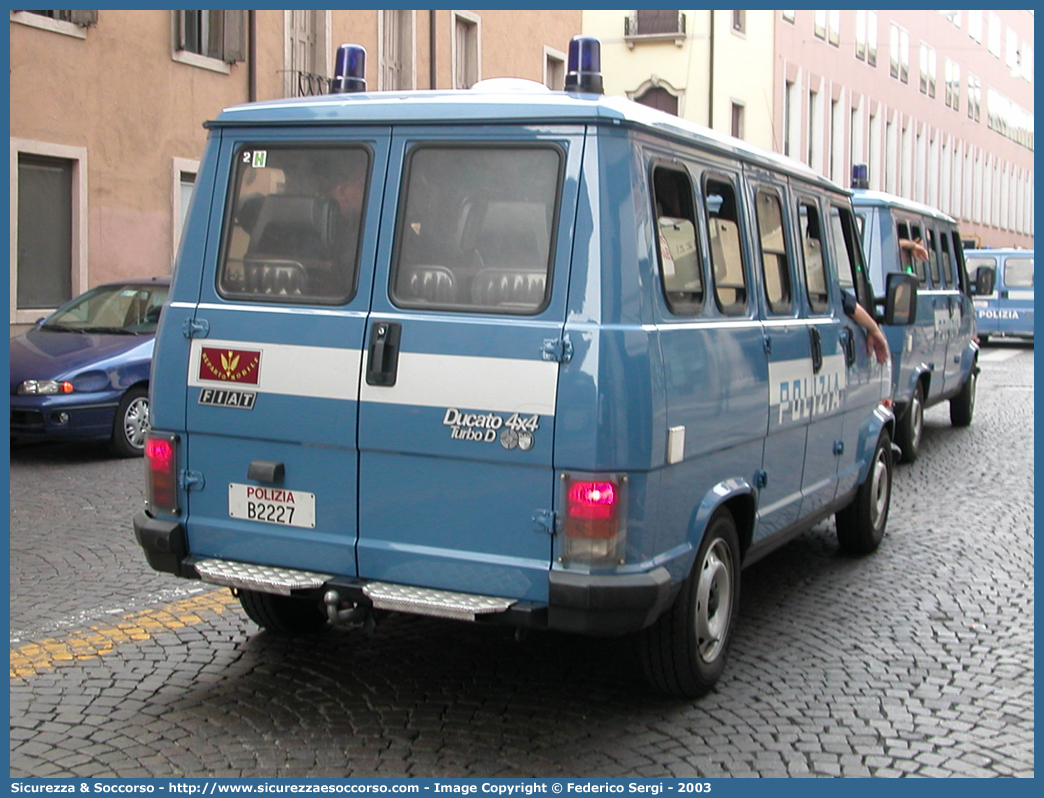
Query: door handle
(383, 365)
(817, 349)
(848, 344)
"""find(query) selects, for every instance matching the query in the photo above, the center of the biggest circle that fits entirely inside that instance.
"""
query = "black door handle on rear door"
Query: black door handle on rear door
(383, 365)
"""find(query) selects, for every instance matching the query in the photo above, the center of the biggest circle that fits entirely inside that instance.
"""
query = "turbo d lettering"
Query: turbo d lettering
(513, 432)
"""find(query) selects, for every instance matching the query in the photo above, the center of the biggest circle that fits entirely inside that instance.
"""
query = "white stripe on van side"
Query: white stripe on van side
(493, 384)
(1020, 294)
(319, 371)
(488, 384)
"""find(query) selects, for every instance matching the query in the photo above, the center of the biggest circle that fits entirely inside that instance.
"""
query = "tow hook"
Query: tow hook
(351, 615)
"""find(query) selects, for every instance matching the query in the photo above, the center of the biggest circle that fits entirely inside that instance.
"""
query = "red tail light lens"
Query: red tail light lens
(595, 518)
(594, 501)
(161, 475)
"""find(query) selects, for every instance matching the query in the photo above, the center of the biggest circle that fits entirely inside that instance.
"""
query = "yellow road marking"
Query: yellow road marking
(44, 655)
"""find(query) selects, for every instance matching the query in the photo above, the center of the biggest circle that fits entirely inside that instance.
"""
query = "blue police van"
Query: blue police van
(507, 355)
(1007, 310)
(934, 359)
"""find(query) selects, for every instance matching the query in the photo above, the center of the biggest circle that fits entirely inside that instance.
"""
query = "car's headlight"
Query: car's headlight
(44, 387)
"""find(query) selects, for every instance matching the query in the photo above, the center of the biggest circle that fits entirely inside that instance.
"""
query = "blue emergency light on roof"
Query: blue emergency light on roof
(349, 69)
(860, 175)
(585, 65)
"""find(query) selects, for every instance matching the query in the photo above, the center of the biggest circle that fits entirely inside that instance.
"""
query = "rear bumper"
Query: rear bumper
(593, 604)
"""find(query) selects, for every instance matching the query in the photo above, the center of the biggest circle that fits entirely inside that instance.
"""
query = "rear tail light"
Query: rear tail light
(595, 525)
(161, 472)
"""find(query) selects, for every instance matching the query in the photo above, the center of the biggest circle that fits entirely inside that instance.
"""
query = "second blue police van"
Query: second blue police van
(934, 359)
(1007, 310)
(507, 355)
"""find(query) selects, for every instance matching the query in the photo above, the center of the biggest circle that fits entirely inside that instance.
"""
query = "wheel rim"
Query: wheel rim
(879, 487)
(714, 601)
(136, 422)
(973, 379)
(916, 420)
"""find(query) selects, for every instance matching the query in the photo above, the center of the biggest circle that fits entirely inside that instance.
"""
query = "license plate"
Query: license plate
(272, 505)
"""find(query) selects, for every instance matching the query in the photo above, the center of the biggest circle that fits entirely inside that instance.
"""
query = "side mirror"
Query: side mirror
(985, 281)
(901, 300)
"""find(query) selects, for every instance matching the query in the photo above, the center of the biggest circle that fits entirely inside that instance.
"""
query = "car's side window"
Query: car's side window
(810, 230)
(947, 271)
(726, 253)
(681, 267)
(851, 269)
(775, 260)
(910, 264)
(933, 257)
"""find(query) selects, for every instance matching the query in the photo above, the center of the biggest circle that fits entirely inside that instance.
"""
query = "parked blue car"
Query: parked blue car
(83, 372)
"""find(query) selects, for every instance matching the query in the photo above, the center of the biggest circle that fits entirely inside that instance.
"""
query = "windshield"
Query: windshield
(129, 309)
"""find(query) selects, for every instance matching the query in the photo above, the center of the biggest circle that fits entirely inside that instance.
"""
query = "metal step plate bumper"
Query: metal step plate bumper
(384, 596)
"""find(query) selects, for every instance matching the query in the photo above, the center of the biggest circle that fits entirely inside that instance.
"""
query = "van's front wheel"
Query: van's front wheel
(284, 615)
(683, 653)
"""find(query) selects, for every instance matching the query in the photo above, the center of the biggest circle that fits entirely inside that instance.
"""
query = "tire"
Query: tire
(962, 406)
(983, 340)
(861, 525)
(284, 615)
(131, 425)
(684, 652)
(910, 427)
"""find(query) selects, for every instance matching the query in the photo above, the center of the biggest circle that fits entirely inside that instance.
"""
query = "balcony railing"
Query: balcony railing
(648, 25)
(306, 84)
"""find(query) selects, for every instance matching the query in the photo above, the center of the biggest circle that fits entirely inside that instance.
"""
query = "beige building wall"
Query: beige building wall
(709, 67)
(115, 98)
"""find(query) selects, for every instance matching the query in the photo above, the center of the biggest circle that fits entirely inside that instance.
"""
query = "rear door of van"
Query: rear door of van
(274, 345)
(461, 359)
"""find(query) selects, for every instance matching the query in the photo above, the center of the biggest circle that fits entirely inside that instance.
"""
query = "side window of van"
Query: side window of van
(851, 270)
(723, 237)
(812, 254)
(910, 264)
(476, 228)
(957, 248)
(946, 263)
(775, 264)
(292, 225)
(933, 257)
(681, 267)
(1018, 272)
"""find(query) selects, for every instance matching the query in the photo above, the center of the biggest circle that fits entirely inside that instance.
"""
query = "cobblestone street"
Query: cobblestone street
(917, 660)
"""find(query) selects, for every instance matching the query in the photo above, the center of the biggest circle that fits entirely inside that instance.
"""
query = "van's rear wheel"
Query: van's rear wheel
(285, 615)
(861, 525)
(911, 427)
(683, 653)
(962, 406)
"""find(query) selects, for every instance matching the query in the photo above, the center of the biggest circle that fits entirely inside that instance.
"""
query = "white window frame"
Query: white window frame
(193, 59)
(551, 54)
(47, 23)
(78, 281)
(179, 166)
(475, 20)
(411, 69)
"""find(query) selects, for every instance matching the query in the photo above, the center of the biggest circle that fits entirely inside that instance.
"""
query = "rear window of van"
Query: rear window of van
(293, 224)
(476, 228)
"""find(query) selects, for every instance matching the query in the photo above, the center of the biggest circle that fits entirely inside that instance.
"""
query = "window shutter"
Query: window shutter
(83, 18)
(235, 36)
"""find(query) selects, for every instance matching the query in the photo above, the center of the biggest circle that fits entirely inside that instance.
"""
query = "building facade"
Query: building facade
(107, 112)
(939, 105)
